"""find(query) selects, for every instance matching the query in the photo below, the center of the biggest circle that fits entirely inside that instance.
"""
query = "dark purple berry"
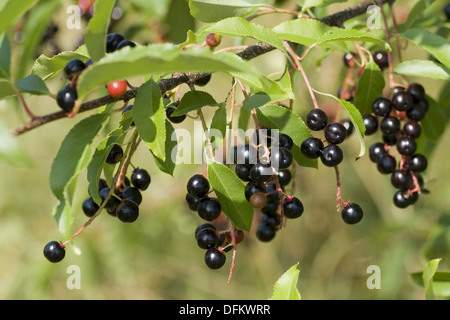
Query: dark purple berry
(371, 124)
(312, 147)
(198, 186)
(214, 258)
(293, 208)
(316, 119)
(412, 129)
(284, 177)
(402, 179)
(406, 146)
(207, 238)
(140, 178)
(253, 187)
(125, 43)
(74, 66)
(390, 125)
(66, 97)
(281, 157)
(417, 91)
(418, 163)
(335, 133)
(90, 207)
(403, 101)
(209, 208)
(261, 173)
(376, 151)
(331, 155)
(112, 41)
(352, 213)
(265, 232)
(174, 119)
(127, 211)
(131, 193)
(243, 172)
(381, 59)
(382, 107)
(386, 164)
(54, 252)
(192, 202)
(115, 154)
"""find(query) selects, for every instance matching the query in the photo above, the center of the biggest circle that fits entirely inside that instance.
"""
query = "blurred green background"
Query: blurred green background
(157, 256)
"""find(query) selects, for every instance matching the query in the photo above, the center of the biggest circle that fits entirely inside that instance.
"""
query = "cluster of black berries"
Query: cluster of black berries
(398, 119)
(209, 209)
(171, 109)
(335, 133)
(67, 96)
(258, 166)
(123, 203)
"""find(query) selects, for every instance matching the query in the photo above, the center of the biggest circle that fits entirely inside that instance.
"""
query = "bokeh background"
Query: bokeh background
(157, 256)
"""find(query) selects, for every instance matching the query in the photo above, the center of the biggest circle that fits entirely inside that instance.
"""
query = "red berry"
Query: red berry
(117, 89)
(213, 39)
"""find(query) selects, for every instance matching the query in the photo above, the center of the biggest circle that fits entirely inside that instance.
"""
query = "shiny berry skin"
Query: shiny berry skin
(116, 89)
(382, 107)
(371, 124)
(198, 186)
(417, 91)
(214, 258)
(112, 41)
(418, 110)
(412, 129)
(54, 252)
(115, 154)
(140, 178)
(174, 119)
(125, 43)
(131, 193)
(246, 154)
(348, 124)
(202, 227)
(265, 232)
(381, 59)
(213, 39)
(403, 101)
(253, 187)
(376, 151)
(258, 200)
(389, 140)
(331, 155)
(192, 202)
(66, 97)
(74, 66)
(285, 141)
(349, 59)
(243, 172)
(89, 207)
(418, 163)
(402, 179)
(261, 173)
(406, 146)
(316, 120)
(284, 177)
(390, 125)
(386, 164)
(207, 238)
(293, 208)
(335, 133)
(273, 220)
(209, 208)
(403, 199)
(312, 147)
(127, 211)
(352, 213)
(281, 157)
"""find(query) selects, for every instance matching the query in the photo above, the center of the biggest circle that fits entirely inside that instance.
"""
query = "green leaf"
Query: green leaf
(5, 58)
(12, 11)
(302, 31)
(33, 84)
(73, 156)
(46, 68)
(416, 12)
(287, 122)
(168, 165)
(435, 122)
(308, 4)
(428, 273)
(215, 10)
(179, 21)
(370, 87)
(219, 126)
(193, 100)
(6, 89)
(286, 286)
(158, 59)
(97, 29)
(230, 192)
(339, 34)
(356, 118)
(150, 117)
(423, 68)
(239, 27)
(435, 45)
